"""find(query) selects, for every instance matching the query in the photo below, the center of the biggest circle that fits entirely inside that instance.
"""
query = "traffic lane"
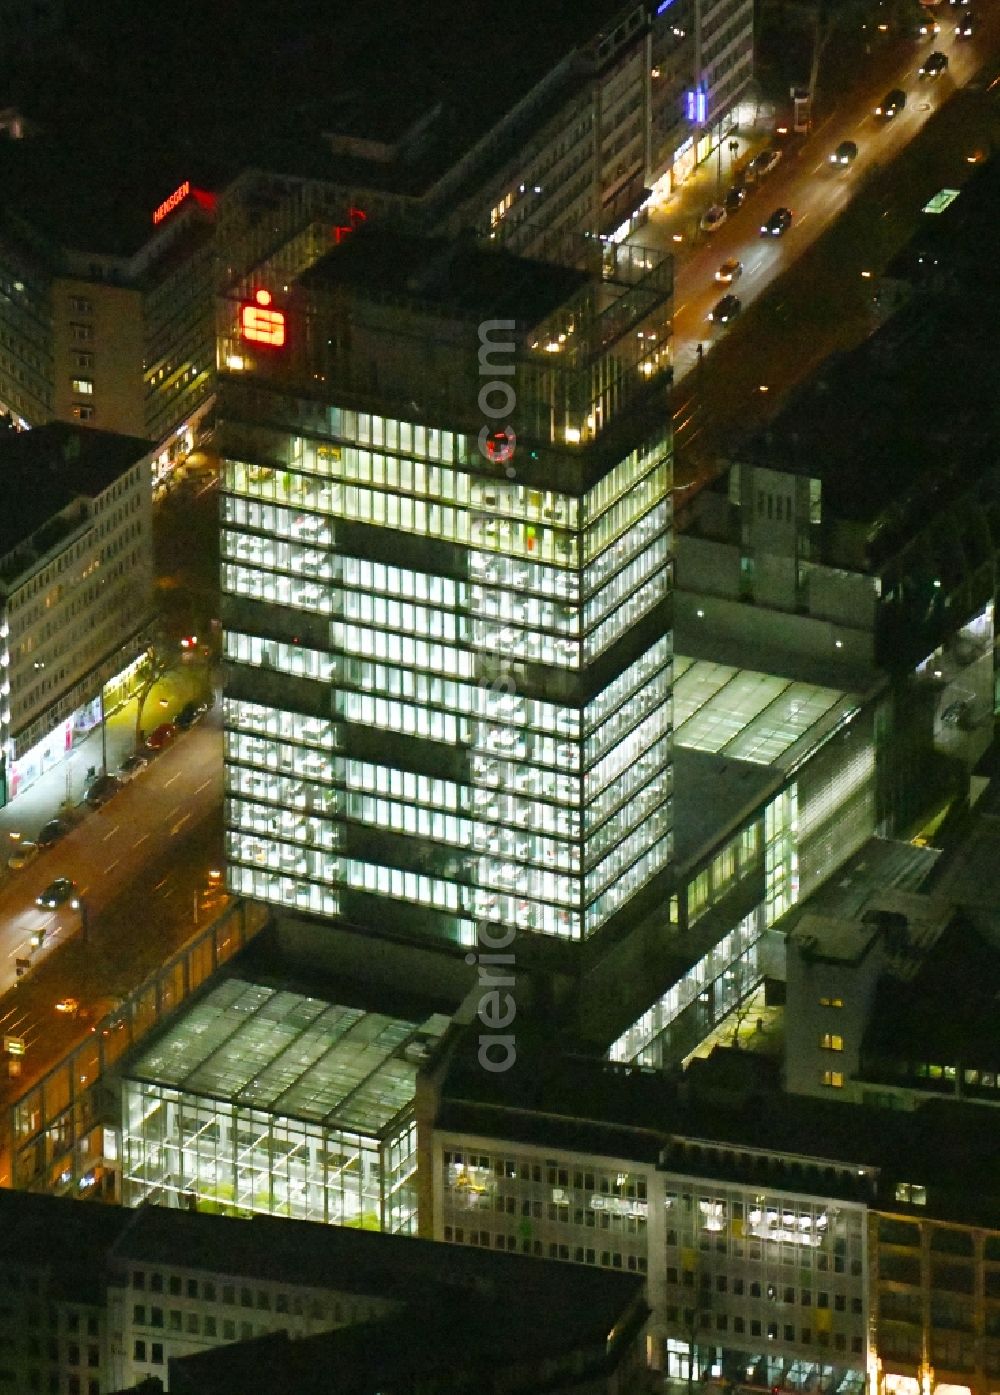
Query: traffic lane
(815, 191)
(816, 199)
(824, 305)
(135, 934)
(111, 847)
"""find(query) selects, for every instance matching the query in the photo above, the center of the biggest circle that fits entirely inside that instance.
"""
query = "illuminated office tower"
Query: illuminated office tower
(446, 541)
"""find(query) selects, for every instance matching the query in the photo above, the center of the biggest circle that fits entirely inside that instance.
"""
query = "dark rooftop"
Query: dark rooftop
(595, 1107)
(915, 1019)
(903, 422)
(577, 1301)
(44, 470)
(465, 275)
(459, 1344)
(127, 110)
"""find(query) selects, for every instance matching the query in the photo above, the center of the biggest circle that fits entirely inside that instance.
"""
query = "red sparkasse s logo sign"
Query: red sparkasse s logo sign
(260, 323)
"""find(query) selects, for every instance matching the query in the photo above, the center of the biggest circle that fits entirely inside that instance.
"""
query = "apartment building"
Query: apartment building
(76, 586)
(767, 1226)
(95, 1299)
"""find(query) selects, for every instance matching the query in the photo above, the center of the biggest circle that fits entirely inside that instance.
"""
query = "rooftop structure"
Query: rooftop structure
(324, 1079)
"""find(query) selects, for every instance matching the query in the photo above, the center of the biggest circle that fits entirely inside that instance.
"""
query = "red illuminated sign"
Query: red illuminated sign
(261, 325)
(168, 205)
(356, 217)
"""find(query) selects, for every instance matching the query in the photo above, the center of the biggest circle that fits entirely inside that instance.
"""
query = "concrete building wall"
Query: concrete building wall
(827, 1007)
(97, 355)
(776, 630)
(79, 604)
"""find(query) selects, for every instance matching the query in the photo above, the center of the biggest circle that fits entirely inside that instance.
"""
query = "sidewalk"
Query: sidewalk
(66, 783)
(674, 221)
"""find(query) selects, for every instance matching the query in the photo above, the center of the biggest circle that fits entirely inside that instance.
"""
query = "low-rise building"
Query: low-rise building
(76, 587)
(100, 1298)
(764, 1223)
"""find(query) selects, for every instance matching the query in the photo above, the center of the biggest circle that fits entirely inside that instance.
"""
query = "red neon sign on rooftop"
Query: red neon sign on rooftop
(183, 191)
(168, 205)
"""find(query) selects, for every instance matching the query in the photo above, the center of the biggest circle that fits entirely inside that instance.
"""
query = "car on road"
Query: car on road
(131, 767)
(57, 893)
(764, 163)
(778, 223)
(735, 198)
(161, 736)
(926, 26)
(956, 4)
(727, 309)
(713, 218)
(845, 154)
(103, 788)
(934, 64)
(891, 104)
(729, 272)
(190, 713)
(51, 833)
(22, 855)
(966, 26)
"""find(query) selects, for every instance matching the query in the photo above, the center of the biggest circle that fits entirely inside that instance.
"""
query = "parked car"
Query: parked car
(727, 309)
(160, 736)
(130, 767)
(729, 272)
(190, 713)
(891, 104)
(764, 163)
(102, 790)
(934, 65)
(22, 855)
(51, 833)
(735, 198)
(845, 154)
(713, 218)
(57, 893)
(778, 223)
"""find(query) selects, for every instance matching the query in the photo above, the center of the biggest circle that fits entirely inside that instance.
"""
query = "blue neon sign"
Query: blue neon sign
(696, 105)
(663, 5)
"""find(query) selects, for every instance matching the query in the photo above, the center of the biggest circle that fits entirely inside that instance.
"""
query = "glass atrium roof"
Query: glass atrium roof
(746, 715)
(268, 1049)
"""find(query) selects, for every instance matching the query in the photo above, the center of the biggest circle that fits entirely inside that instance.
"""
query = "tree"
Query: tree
(697, 1317)
(828, 17)
(159, 660)
(742, 1012)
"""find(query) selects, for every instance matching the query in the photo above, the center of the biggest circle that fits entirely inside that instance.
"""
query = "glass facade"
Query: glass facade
(450, 683)
(266, 1101)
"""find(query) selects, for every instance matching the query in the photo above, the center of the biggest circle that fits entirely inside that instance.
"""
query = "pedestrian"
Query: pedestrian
(700, 350)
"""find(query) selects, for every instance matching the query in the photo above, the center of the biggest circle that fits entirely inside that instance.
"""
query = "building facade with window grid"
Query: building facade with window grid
(786, 1241)
(448, 686)
(769, 1282)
